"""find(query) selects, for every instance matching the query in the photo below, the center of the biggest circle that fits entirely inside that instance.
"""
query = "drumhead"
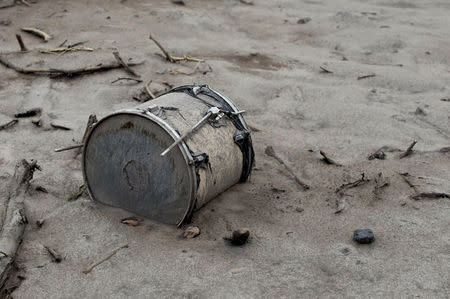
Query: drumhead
(123, 168)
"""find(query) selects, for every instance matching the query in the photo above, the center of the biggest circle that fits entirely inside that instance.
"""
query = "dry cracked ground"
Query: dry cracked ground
(346, 77)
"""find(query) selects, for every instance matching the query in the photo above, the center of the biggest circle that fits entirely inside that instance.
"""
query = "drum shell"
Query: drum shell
(213, 161)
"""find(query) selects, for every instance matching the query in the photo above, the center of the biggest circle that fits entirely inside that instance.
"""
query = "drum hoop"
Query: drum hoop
(172, 133)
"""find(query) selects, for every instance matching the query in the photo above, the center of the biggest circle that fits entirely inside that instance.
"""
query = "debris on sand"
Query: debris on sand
(379, 154)
(363, 236)
(191, 232)
(304, 20)
(239, 237)
(131, 221)
(29, 113)
(328, 160)
(409, 150)
(430, 195)
(55, 256)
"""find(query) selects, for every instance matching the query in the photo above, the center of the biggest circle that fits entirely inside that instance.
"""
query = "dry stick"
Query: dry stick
(90, 123)
(326, 70)
(166, 54)
(124, 65)
(62, 50)
(29, 113)
(13, 219)
(62, 149)
(112, 253)
(26, 3)
(408, 151)
(126, 78)
(173, 58)
(9, 124)
(147, 88)
(366, 76)
(61, 72)
(405, 178)
(328, 160)
(21, 44)
(45, 36)
(55, 256)
(60, 127)
(430, 195)
(271, 153)
(354, 184)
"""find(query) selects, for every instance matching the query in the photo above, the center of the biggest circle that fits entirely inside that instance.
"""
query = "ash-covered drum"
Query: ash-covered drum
(130, 160)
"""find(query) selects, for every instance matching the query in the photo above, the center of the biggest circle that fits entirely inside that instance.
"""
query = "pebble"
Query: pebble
(363, 236)
(304, 20)
(191, 232)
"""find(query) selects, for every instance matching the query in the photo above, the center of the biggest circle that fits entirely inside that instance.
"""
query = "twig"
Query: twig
(56, 257)
(354, 184)
(147, 88)
(430, 195)
(126, 78)
(405, 178)
(325, 70)
(124, 65)
(271, 153)
(60, 127)
(112, 253)
(78, 193)
(53, 72)
(409, 150)
(76, 44)
(21, 44)
(328, 160)
(63, 43)
(62, 149)
(171, 58)
(45, 36)
(90, 124)
(26, 3)
(62, 50)
(366, 76)
(9, 124)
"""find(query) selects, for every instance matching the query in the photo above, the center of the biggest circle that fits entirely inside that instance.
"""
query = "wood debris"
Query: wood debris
(124, 65)
(354, 184)
(62, 50)
(77, 193)
(380, 183)
(21, 43)
(90, 124)
(409, 150)
(9, 124)
(405, 177)
(325, 70)
(126, 78)
(430, 195)
(171, 58)
(55, 72)
(107, 257)
(131, 221)
(328, 160)
(271, 153)
(45, 36)
(191, 232)
(60, 127)
(366, 76)
(147, 89)
(378, 154)
(55, 256)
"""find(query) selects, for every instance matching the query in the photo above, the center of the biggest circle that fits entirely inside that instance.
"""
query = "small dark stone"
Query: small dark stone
(299, 209)
(363, 236)
(240, 236)
(179, 2)
(378, 155)
(304, 20)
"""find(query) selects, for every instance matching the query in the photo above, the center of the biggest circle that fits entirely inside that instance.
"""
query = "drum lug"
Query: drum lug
(199, 159)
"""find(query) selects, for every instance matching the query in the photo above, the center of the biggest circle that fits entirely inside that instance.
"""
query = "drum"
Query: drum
(169, 156)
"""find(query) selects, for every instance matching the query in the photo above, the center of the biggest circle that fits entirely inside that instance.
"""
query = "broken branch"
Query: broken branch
(9, 124)
(271, 153)
(430, 195)
(126, 78)
(147, 88)
(53, 72)
(171, 58)
(111, 254)
(45, 36)
(354, 184)
(123, 64)
(21, 44)
(409, 150)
